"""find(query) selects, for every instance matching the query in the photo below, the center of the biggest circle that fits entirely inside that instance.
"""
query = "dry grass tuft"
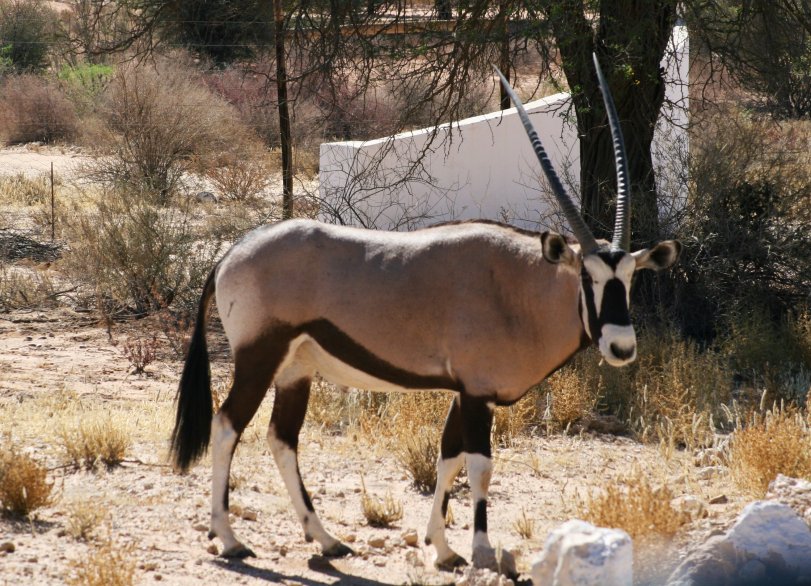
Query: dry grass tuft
(83, 518)
(774, 442)
(515, 420)
(418, 453)
(524, 526)
(572, 397)
(380, 512)
(635, 504)
(24, 485)
(20, 189)
(106, 565)
(95, 442)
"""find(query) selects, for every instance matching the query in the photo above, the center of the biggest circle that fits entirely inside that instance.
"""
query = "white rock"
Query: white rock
(579, 554)
(767, 529)
(768, 544)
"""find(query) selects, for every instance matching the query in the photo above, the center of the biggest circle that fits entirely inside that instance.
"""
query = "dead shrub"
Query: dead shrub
(24, 485)
(83, 518)
(515, 420)
(107, 564)
(418, 452)
(21, 189)
(773, 442)
(95, 442)
(674, 389)
(33, 109)
(140, 351)
(137, 255)
(241, 178)
(380, 512)
(634, 504)
(524, 526)
(21, 288)
(153, 138)
(771, 355)
(572, 398)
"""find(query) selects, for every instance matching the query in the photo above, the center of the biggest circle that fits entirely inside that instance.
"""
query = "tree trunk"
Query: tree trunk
(284, 113)
(630, 42)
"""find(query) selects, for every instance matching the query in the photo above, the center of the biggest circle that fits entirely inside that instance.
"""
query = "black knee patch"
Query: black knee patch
(480, 517)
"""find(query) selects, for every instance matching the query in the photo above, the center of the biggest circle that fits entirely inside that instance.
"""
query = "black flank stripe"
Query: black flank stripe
(347, 350)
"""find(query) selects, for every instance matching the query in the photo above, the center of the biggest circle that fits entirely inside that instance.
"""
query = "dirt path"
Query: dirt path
(58, 368)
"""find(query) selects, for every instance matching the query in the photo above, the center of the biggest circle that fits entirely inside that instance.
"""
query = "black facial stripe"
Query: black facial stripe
(615, 304)
(591, 308)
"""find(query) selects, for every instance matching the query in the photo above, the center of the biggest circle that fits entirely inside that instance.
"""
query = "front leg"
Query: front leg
(477, 421)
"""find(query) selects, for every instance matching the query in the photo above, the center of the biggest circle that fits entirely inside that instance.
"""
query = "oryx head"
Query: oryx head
(605, 268)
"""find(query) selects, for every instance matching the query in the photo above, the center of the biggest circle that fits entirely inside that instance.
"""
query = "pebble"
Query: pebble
(721, 499)
(212, 549)
(283, 550)
(377, 542)
(158, 577)
(411, 538)
(7, 547)
(248, 515)
(149, 566)
(201, 527)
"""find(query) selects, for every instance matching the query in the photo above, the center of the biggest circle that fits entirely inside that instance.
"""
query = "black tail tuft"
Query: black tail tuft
(194, 403)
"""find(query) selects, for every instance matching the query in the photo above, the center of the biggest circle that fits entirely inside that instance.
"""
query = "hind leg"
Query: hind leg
(448, 466)
(253, 370)
(289, 409)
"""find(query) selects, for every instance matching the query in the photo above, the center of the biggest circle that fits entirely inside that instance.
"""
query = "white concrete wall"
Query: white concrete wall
(482, 167)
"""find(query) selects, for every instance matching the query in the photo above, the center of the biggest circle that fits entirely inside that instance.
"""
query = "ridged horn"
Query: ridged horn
(622, 223)
(581, 231)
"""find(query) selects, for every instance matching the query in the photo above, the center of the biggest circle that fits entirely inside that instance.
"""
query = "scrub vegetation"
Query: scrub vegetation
(179, 156)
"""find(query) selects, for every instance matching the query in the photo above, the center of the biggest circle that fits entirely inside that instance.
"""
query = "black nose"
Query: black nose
(622, 353)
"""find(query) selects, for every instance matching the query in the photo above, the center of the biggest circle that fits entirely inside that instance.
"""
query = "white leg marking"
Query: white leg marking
(224, 438)
(287, 462)
(479, 471)
(446, 472)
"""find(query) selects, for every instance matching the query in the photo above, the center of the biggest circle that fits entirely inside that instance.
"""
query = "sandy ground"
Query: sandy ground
(58, 368)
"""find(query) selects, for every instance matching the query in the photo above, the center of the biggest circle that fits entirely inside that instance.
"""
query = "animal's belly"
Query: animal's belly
(307, 354)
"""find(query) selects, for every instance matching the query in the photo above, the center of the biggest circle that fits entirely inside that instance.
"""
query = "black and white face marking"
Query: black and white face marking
(605, 298)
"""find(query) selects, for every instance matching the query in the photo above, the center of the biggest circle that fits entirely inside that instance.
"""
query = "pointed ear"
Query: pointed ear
(555, 249)
(661, 256)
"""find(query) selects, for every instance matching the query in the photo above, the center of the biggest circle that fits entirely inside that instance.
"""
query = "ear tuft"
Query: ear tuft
(555, 249)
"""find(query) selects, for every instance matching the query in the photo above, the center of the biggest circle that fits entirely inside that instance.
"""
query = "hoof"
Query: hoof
(337, 550)
(238, 552)
(451, 563)
(500, 561)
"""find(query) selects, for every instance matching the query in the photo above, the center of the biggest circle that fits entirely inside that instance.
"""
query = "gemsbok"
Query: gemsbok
(481, 309)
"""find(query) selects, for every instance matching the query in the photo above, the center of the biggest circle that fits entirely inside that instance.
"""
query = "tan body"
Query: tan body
(495, 324)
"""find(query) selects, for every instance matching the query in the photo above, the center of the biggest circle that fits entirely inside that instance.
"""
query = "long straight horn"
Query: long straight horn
(581, 231)
(622, 223)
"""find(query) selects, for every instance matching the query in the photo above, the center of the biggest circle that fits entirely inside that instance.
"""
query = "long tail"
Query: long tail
(194, 403)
